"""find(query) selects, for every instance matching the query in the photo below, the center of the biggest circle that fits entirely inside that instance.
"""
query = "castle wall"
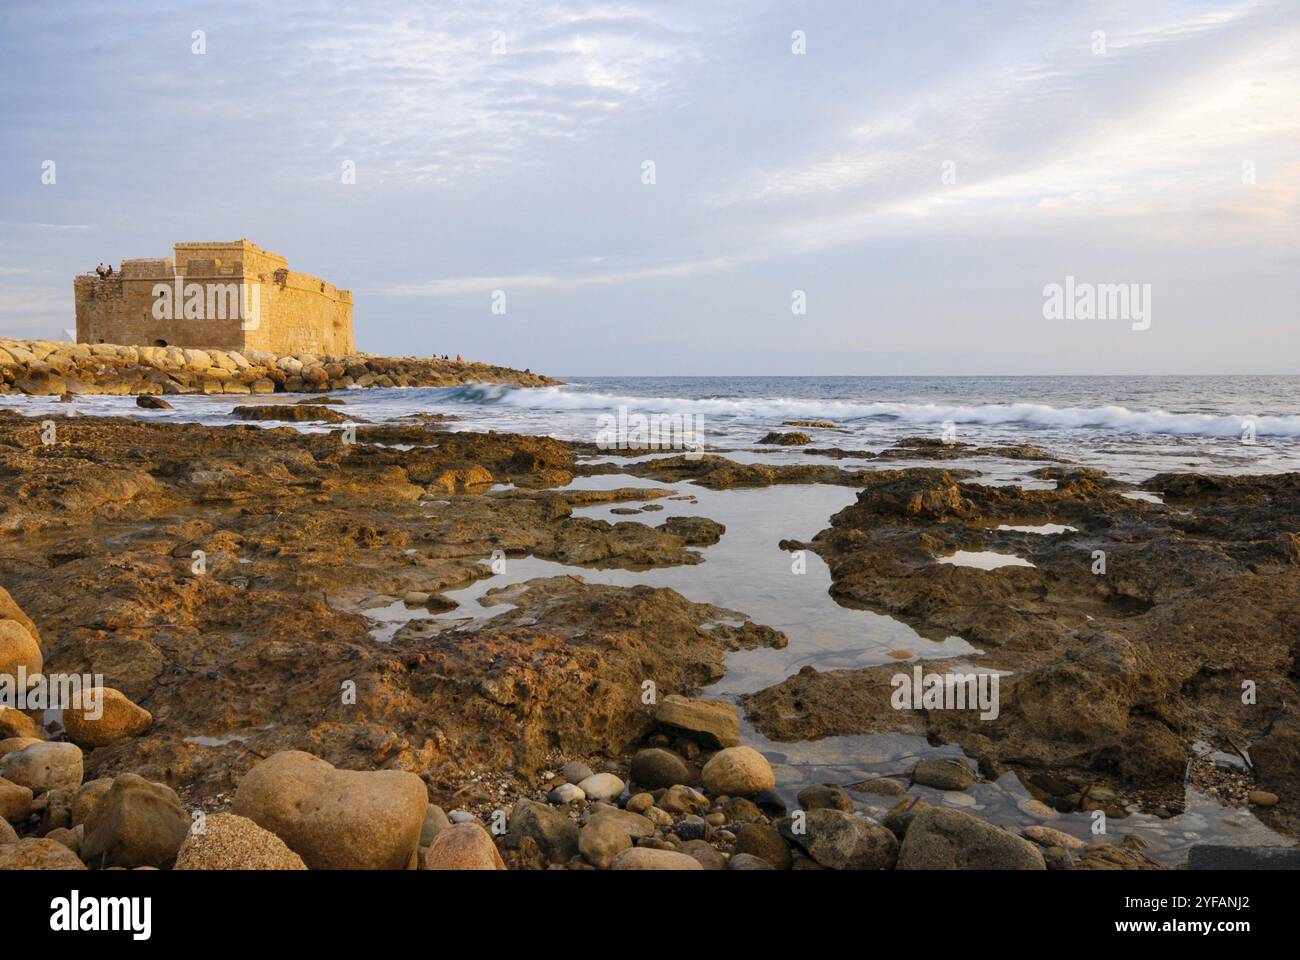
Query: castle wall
(297, 313)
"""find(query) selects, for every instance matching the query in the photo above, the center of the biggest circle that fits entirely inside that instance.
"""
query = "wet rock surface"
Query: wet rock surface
(1126, 640)
(231, 585)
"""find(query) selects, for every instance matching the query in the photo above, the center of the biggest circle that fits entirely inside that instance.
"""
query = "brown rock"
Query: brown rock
(763, 841)
(44, 766)
(33, 854)
(232, 842)
(15, 802)
(647, 858)
(9, 610)
(15, 724)
(113, 718)
(135, 824)
(336, 819)
(738, 772)
(463, 846)
(714, 723)
(18, 648)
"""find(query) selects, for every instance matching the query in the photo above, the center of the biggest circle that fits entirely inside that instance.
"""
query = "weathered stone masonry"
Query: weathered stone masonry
(295, 312)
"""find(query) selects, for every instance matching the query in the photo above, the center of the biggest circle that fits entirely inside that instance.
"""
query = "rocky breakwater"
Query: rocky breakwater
(49, 368)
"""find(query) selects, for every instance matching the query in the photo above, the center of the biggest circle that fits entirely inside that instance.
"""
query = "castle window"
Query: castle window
(160, 343)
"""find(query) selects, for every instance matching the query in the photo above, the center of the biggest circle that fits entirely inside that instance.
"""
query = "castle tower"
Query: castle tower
(226, 296)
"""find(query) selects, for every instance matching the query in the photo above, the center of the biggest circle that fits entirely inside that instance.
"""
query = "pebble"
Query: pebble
(575, 771)
(660, 818)
(1050, 837)
(943, 774)
(648, 858)
(692, 828)
(601, 786)
(462, 816)
(1037, 809)
(640, 802)
(1262, 798)
(566, 793)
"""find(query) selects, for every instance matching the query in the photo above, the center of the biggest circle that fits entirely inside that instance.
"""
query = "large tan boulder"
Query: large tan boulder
(738, 772)
(135, 824)
(648, 858)
(232, 842)
(14, 744)
(44, 766)
(114, 717)
(9, 610)
(15, 801)
(86, 798)
(18, 648)
(16, 724)
(463, 846)
(33, 854)
(336, 819)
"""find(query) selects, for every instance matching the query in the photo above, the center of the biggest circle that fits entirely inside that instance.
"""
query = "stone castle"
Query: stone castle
(225, 296)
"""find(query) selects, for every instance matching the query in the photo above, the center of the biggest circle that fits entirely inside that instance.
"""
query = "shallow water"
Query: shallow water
(983, 560)
(748, 572)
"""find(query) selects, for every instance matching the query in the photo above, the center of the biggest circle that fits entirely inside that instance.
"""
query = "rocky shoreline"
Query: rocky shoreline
(223, 582)
(49, 368)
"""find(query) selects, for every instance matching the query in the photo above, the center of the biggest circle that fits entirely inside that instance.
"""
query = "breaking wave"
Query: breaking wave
(842, 412)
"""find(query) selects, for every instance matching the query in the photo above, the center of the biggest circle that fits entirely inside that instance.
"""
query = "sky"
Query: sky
(693, 188)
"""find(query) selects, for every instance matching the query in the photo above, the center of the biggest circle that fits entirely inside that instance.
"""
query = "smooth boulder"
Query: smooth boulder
(942, 839)
(463, 846)
(44, 766)
(19, 649)
(336, 819)
(15, 801)
(647, 858)
(738, 772)
(114, 717)
(34, 854)
(656, 767)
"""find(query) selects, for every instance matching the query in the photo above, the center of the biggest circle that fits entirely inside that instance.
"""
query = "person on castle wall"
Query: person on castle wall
(458, 359)
(109, 271)
(101, 270)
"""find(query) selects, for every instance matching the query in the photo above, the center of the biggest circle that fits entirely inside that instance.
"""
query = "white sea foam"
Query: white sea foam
(1115, 418)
